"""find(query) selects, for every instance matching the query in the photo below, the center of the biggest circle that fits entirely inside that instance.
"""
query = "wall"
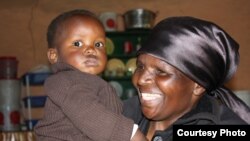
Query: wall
(23, 25)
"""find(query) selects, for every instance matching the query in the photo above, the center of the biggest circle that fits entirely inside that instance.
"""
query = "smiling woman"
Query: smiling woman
(181, 70)
(159, 84)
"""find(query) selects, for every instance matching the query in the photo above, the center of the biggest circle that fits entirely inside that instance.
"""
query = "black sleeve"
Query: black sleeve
(132, 109)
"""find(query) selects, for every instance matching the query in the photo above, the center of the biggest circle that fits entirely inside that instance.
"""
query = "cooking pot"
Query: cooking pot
(139, 19)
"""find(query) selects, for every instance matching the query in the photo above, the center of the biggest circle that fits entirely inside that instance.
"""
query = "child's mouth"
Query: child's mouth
(91, 62)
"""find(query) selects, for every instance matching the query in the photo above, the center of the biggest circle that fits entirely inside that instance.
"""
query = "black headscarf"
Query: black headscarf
(201, 50)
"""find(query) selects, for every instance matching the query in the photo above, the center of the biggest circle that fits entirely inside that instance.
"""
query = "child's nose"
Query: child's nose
(90, 50)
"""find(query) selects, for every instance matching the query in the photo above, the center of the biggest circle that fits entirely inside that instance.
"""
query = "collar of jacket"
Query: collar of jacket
(61, 66)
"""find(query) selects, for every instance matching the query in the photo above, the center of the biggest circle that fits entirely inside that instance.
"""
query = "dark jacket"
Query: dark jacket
(208, 112)
(81, 107)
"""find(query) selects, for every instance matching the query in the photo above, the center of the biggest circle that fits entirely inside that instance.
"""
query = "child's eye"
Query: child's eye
(78, 44)
(99, 44)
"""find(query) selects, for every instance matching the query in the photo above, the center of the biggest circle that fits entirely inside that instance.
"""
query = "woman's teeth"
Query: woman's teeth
(150, 96)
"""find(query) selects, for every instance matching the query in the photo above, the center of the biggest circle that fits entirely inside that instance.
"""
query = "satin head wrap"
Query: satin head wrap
(202, 51)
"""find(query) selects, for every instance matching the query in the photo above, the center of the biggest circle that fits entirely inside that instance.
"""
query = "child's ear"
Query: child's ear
(198, 90)
(52, 55)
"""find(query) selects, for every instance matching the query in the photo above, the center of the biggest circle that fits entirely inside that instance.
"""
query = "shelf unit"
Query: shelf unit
(119, 39)
(31, 101)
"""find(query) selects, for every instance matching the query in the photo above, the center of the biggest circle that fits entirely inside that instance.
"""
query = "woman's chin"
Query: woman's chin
(150, 114)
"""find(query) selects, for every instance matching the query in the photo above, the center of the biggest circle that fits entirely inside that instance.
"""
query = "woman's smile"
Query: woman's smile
(151, 99)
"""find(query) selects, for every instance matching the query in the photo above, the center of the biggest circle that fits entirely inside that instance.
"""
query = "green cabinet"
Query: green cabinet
(121, 48)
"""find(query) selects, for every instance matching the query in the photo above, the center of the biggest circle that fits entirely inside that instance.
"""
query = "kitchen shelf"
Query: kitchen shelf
(124, 78)
(119, 39)
(34, 78)
(135, 37)
(30, 100)
(122, 56)
(126, 33)
(34, 101)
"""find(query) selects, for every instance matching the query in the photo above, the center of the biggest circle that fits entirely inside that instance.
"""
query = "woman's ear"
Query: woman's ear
(198, 90)
(52, 55)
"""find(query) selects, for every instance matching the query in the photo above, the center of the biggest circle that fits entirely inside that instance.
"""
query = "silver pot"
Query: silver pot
(139, 19)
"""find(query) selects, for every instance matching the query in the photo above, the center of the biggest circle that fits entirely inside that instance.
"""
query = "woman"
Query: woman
(180, 73)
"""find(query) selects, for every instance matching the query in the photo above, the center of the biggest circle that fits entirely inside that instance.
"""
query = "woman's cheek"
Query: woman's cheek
(135, 78)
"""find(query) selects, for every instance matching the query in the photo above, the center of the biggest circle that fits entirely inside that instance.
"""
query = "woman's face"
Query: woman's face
(165, 93)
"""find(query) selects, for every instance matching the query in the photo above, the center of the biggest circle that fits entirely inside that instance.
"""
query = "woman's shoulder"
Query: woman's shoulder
(224, 114)
(131, 108)
(228, 117)
(210, 111)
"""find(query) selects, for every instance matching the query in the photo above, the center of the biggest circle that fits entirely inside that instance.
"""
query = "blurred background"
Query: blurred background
(23, 24)
(23, 27)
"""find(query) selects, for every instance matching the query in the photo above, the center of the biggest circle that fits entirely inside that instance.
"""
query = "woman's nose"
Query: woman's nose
(145, 78)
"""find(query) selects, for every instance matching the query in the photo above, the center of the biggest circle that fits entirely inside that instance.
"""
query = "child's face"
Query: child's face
(80, 42)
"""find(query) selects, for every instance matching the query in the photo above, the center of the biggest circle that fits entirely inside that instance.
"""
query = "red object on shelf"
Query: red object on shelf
(111, 23)
(1, 119)
(10, 103)
(15, 117)
(128, 47)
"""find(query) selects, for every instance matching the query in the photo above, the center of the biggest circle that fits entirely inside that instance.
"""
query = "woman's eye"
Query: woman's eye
(78, 44)
(161, 73)
(139, 66)
(99, 44)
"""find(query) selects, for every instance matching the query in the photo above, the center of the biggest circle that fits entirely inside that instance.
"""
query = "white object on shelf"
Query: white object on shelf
(30, 126)
(118, 87)
(10, 104)
(40, 69)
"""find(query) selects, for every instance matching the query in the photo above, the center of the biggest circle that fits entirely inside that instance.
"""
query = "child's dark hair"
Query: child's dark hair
(52, 28)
